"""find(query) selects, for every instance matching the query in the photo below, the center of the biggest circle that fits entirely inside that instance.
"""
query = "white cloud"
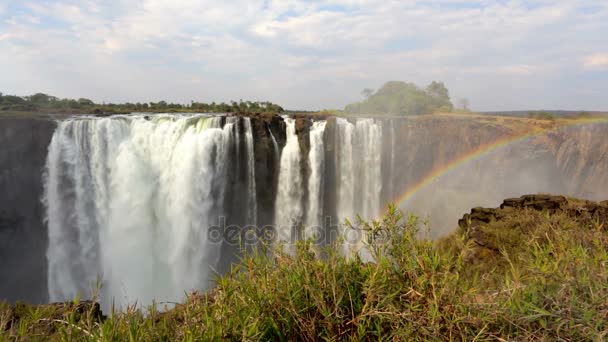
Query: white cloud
(598, 60)
(304, 54)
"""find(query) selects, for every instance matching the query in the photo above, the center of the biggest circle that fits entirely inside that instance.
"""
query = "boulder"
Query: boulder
(483, 242)
(536, 202)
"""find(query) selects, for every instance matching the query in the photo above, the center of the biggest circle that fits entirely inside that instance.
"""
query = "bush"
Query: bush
(542, 115)
(545, 278)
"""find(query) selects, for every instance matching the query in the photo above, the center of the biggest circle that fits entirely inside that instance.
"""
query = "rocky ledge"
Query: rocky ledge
(487, 231)
(580, 209)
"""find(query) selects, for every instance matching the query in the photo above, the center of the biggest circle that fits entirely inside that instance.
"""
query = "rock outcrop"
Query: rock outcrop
(484, 242)
(580, 209)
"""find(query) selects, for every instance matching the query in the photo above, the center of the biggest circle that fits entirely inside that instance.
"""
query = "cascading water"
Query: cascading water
(251, 187)
(134, 201)
(315, 182)
(275, 145)
(368, 135)
(360, 176)
(289, 203)
(130, 201)
(346, 185)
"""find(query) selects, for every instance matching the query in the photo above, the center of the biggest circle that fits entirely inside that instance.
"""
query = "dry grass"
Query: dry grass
(544, 278)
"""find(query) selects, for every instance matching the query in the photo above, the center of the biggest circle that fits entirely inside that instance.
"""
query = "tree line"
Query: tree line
(50, 104)
(403, 98)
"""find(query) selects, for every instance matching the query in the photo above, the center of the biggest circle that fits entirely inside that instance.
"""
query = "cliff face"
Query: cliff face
(539, 157)
(23, 237)
(581, 154)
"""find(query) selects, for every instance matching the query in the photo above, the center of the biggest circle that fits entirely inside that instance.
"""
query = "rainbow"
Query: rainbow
(480, 152)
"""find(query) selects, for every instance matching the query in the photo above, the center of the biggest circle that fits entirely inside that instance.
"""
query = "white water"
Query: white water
(360, 177)
(130, 201)
(275, 145)
(368, 166)
(252, 208)
(316, 161)
(346, 175)
(289, 202)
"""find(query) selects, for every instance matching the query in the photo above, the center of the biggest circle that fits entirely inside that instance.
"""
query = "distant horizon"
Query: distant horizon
(601, 111)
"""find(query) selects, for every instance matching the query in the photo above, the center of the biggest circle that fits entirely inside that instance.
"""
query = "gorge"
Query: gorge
(153, 206)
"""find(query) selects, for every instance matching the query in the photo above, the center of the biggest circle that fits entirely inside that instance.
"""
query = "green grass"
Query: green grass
(543, 277)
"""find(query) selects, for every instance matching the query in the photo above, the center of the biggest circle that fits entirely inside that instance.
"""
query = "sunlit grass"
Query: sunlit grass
(544, 278)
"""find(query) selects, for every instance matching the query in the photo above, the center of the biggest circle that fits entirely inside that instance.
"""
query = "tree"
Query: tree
(41, 99)
(464, 104)
(85, 102)
(439, 95)
(12, 100)
(403, 98)
(541, 115)
(367, 92)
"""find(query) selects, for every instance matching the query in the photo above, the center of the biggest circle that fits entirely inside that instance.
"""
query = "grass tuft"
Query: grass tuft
(530, 275)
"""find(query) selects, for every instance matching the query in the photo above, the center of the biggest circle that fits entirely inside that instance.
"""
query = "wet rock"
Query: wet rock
(479, 215)
(23, 237)
(267, 161)
(536, 202)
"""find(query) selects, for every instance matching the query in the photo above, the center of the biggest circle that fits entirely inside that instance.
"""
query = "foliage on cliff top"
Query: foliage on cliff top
(402, 98)
(545, 278)
(39, 102)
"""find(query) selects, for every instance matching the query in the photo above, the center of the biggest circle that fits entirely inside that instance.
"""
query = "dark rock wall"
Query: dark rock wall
(23, 237)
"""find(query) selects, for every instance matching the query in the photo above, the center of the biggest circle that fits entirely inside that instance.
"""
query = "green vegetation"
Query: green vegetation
(43, 103)
(541, 115)
(402, 98)
(583, 115)
(539, 275)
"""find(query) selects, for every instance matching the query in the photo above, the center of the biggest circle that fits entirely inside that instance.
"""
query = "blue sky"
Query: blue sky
(308, 54)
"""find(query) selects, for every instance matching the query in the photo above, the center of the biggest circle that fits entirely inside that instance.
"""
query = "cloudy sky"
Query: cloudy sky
(502, 54)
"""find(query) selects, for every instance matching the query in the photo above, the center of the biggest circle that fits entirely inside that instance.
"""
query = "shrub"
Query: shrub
(544, 278)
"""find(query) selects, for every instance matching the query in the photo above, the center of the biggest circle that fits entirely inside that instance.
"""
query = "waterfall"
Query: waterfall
(289, 202)
(275, 146)
(369, 167)
(141, 203)
(359, 175)
(316, 160)
(131, 201)
(251, 188)
(346, 175)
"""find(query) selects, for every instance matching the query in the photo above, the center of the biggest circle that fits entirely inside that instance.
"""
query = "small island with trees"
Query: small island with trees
(403, 98)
